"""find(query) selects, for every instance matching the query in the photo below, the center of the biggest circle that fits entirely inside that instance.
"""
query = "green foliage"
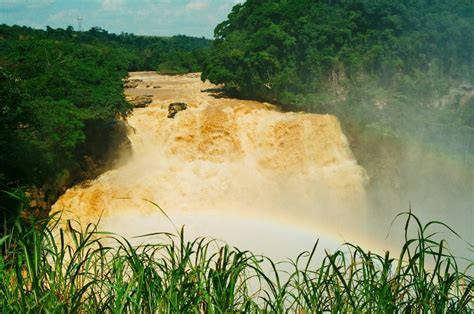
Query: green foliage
(142, 53)
(45, 268)
(51, 89)
(181, 62)
(374, 63)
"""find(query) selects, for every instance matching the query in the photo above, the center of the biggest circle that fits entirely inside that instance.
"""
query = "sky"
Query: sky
(141, 17)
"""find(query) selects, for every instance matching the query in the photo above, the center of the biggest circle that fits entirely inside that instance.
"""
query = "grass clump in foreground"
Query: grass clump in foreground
(44, 268)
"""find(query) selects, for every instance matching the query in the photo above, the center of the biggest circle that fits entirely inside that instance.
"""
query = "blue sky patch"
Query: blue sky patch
(141, 17)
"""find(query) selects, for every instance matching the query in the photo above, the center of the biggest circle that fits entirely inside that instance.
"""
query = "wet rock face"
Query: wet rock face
(129, 83)
(132, 83)
(175, 107)
(141, 101)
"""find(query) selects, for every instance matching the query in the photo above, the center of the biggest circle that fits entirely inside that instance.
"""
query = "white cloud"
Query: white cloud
(113, 5)
(197, 5)
(65, 17)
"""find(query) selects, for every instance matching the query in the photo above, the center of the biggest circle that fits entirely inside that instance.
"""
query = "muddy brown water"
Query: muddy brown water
(237, 170)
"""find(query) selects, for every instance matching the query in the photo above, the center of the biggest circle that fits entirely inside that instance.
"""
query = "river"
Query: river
(236, 170)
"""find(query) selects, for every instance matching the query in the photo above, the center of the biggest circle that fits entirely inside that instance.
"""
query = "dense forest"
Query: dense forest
(61, 96)
(177, 54)
(397, 68)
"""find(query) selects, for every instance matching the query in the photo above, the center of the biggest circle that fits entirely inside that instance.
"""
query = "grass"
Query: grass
(45, 268)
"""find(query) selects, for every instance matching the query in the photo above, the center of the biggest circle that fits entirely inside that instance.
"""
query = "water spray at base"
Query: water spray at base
(223, 157)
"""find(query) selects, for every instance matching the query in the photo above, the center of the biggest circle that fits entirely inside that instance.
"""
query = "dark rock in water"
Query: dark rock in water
(132, 83)
(140, 101)
(175, 107)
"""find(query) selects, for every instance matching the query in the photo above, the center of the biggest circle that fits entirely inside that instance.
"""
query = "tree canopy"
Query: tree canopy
(269, 48)
(399, 66)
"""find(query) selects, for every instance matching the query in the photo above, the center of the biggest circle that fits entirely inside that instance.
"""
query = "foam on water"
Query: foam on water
(238, 170)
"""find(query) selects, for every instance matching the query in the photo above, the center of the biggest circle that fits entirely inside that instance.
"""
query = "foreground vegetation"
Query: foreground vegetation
(47, 269)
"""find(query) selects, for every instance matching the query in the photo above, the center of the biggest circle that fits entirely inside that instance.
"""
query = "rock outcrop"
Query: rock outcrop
(132, 83)
(141, 101)
(175, 107)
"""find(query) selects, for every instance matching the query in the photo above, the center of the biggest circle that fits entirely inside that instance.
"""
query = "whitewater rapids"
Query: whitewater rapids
(234, 169)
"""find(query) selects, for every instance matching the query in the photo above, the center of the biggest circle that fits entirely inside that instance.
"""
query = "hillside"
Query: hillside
(401, 69)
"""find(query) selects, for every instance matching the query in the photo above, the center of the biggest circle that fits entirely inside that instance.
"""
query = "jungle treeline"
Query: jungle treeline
(399, 68)
(61, 98)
